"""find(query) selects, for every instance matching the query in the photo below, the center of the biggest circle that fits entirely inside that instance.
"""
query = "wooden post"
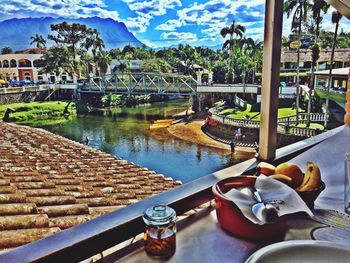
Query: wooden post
(270, 78)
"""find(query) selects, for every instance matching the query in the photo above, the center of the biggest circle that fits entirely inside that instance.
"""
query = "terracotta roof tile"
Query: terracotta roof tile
(17, 209)
(49, 183)
(18, 237)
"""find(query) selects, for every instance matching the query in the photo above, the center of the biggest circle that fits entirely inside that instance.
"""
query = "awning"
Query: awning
(286, 74)
(343, 6)
(335, 72)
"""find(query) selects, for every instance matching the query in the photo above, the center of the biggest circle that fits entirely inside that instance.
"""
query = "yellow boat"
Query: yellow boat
(164, 121)
(160, 124)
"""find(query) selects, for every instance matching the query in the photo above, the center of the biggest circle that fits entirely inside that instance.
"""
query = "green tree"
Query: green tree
(336, 17)
(70, 36)
(319, 7)
(299, 9)
(92, 40)
(38, 40)
(115, 53)
(103, 59)
(6, 50)
(55, 60)
(231, 44)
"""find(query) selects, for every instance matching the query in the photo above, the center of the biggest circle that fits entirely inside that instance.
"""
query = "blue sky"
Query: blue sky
(159, 22)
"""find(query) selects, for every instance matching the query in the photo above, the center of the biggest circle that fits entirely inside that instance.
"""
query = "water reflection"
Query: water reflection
(125, 133)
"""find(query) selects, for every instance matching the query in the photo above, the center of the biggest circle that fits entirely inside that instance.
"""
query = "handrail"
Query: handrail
(283, 125)
(90, 238)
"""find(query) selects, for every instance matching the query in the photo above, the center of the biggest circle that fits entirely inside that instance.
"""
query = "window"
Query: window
(38, 63)
(24, 63)
(13, 63)
(5, 64)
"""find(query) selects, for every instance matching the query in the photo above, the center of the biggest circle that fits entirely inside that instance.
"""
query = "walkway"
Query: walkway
(49, 183)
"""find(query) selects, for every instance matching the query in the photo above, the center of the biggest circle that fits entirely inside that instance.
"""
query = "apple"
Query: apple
(266, 168)
(291, 170)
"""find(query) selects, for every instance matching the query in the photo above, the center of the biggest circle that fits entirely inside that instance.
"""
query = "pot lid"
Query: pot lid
(159, 215)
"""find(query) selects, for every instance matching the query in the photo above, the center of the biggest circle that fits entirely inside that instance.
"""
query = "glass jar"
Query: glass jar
(160, 234)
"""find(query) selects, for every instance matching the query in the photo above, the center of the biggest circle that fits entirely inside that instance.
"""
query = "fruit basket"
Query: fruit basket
(310, 196)
(308, 185)
(232, 220)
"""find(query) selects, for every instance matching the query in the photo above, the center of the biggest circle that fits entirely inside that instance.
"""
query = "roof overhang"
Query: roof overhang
(343, 6)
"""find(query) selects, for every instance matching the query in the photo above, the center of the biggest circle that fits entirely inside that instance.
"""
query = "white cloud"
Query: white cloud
(169, 25)
(152, 7)
(146, 10)
(138, 24)
(216, 14)
(184, 36)
(55, 8)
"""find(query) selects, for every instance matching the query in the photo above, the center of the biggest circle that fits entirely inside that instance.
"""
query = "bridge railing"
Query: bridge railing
(283, 126)
(143, 83)
(314, 117)
(22, 89)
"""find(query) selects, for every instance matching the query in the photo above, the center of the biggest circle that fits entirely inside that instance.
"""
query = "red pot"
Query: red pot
(232, 220)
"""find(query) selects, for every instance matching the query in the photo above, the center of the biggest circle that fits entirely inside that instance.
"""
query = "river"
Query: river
(125, 133)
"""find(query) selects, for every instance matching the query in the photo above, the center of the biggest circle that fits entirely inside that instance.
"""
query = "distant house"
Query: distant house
(339, 78)
(132, 65)
(203, 75)
(288, 69)
(25, 65)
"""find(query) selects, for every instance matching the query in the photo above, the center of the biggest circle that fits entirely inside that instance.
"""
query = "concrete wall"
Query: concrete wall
(22, 96)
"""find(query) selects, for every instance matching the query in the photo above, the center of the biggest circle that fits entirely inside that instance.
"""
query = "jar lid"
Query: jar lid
(159, 215)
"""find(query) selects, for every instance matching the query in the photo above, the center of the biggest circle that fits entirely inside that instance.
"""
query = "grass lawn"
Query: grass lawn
(38, 113)
(335, 96)
(282, 112)
(312, 126)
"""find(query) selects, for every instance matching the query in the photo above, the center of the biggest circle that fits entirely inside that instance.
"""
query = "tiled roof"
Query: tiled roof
(31, 51)
(325, 55)
(49, 183)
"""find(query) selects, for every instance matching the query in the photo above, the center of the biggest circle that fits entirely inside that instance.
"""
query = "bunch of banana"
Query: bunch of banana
(291, 175)
(312, 178)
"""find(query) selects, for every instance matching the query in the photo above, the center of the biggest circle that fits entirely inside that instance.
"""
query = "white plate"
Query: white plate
(301, 251)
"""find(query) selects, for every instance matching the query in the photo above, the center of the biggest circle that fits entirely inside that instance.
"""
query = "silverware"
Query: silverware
(265, 212)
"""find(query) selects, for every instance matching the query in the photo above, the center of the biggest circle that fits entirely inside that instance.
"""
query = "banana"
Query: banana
(312, 178)
(266, 168)
(282, 178)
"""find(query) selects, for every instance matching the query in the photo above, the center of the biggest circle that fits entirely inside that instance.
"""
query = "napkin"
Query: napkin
(284, 198)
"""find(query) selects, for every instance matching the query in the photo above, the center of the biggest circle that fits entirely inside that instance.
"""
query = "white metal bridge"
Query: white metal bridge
(142, 83)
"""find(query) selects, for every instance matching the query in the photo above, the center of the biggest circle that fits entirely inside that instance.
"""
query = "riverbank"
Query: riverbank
(192, 131)
(39, 114)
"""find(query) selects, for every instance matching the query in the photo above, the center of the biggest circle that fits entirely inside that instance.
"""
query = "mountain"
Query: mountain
(16, 33)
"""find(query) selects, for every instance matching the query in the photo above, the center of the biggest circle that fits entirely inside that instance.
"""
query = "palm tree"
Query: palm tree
(94, 42)
(233, 29)
(103, 60)
(300, 9)
(319, 6)
(39, 40)
(336, 16)
(231, 43)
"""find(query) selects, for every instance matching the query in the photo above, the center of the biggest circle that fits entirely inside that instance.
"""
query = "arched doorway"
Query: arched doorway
(27, 76)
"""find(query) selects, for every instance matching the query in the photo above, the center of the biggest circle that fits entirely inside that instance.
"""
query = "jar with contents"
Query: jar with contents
(160, 234)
